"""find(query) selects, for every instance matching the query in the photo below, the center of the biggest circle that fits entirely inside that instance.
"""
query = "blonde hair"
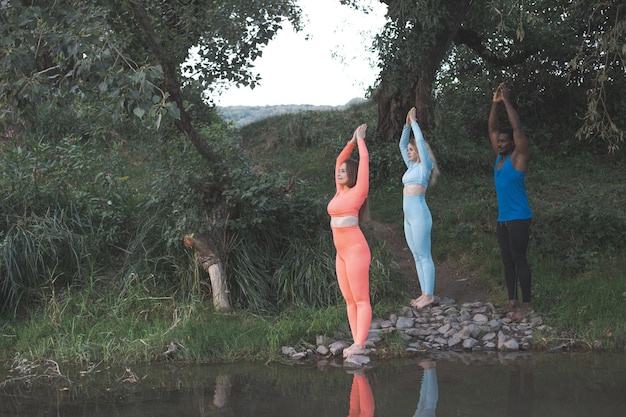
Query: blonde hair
(434, 174)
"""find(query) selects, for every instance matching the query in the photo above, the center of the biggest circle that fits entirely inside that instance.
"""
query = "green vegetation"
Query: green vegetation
(109, 156)
(94, 268)
(579, 204)
(92, 261)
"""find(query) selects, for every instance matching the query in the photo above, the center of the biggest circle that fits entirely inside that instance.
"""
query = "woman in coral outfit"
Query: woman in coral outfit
(347, 207)
(361, 397)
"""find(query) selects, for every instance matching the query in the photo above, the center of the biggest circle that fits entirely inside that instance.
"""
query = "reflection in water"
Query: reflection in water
(361, 397)
(223, 385)
(472, 385)
(521, 389)
(429, 391)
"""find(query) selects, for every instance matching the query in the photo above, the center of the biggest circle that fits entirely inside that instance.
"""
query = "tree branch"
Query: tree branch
(474, 41)
(172, 85)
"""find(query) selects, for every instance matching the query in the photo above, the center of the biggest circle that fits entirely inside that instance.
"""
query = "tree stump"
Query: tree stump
(207, 257)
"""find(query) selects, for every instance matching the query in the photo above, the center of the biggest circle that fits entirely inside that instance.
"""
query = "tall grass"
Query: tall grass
(40, 249)
(91, 324)
(579, 206)
(113, 281)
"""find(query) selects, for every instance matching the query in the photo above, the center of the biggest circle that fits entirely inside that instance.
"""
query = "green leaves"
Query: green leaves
(99, 54)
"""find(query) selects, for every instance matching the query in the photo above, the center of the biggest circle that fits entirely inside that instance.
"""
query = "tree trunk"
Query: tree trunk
(393, 107)
(172, 85)
(394, 101)
(207, 257)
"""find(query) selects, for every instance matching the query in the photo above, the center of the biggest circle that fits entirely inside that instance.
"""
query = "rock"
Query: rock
(288, 351)
(385, 324)
(322, 350)
(405, 323)
(511, 344)
(464, 333)
(336, 348)
(480, 318)
(453, 341)
(488, 336)
(356, 360)
(469, 343)
(444, 327)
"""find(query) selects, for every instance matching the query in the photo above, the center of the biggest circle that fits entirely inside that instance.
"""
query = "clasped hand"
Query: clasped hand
(359, 133)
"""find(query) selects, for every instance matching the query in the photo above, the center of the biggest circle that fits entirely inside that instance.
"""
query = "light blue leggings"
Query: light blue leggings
(418, 223)
(429, 395)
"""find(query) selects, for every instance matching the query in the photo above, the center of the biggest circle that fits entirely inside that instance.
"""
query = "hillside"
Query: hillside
(244, 115)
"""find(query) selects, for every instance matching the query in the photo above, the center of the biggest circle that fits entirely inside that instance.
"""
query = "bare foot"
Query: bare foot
(427, 300)
(512, 305)
(417, 300)
(355, 349)
(346, 351)
(522, 312)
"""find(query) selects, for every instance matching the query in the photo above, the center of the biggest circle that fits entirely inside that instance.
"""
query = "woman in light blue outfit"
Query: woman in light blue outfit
(421, 172)
(429, 391)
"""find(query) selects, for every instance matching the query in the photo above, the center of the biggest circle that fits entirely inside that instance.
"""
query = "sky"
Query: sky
(326, 63)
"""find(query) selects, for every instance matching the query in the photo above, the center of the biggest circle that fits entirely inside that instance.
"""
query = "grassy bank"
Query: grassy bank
(579, 215)
(576, 253)
(95, 325)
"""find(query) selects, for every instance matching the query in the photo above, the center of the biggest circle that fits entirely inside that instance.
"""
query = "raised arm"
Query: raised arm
(419, 139)
(343, 156)
(363, 176)
(404, 141)
(494, 127)
(519, 137)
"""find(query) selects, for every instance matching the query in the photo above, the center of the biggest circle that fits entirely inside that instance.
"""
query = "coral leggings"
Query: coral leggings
(361, 397)
(353, 265)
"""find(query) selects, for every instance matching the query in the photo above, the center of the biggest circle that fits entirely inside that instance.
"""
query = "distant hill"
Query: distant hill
(243, 115)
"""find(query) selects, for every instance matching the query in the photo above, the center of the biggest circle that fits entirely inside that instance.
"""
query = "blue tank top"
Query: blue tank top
(511, 192)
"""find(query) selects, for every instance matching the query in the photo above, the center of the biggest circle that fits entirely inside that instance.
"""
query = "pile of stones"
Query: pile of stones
(443, 326)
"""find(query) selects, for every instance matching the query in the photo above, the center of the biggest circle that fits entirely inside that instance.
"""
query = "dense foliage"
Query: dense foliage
(569, 54)
(118, 58)
(577, 196)
(96, 203)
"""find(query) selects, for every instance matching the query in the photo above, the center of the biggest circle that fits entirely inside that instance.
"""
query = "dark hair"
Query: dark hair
(352, 170)
(507, 131)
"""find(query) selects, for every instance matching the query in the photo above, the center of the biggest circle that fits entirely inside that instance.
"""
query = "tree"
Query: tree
(412, 46)
(601, 62)
(131, 56)
(206, 255)
(577, 42)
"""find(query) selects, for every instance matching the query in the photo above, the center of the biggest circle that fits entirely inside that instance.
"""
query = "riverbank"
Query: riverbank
(444, 326)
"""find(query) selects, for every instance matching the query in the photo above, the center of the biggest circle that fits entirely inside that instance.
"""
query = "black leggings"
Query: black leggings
(513, 240)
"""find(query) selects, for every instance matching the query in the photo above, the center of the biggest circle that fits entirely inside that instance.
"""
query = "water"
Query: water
(515, 385)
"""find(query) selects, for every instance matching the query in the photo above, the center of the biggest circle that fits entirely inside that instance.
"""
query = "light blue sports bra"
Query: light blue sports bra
(417, 172)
